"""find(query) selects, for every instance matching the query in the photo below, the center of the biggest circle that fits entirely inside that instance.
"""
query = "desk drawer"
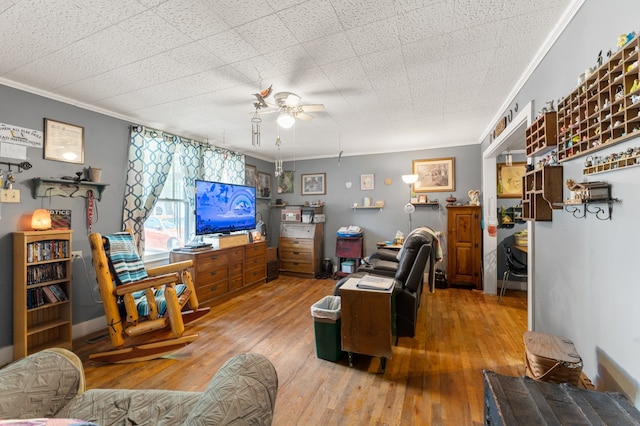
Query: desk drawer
(301, 254)
(295, 244)
(304, 266)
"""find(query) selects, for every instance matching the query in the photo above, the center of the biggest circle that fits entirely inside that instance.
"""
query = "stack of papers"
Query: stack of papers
(372, 282)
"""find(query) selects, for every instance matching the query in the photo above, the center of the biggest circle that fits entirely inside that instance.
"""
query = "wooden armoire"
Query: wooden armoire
(464, 246)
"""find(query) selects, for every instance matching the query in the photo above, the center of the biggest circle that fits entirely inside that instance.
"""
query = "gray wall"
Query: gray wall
(586, 288)
(382, 225)
(106, 144)
(105, 147)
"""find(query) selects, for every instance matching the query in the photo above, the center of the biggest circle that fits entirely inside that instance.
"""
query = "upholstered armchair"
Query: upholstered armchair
(50, 384)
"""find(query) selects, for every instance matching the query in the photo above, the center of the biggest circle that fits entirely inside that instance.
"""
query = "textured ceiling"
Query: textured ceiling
(393, 75)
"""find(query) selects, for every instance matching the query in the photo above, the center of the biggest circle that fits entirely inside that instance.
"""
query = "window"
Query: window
(169, 225)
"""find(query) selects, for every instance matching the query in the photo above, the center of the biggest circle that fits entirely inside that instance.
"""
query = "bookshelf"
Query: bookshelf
(41, 291)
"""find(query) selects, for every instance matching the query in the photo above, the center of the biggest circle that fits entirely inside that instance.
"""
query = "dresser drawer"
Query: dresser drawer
(235, 269)
(211, 260)
(255, 249)
(235, 254)
(254, 261)
(235, 282)
(211, 290)
(255, 274)
(211, 275)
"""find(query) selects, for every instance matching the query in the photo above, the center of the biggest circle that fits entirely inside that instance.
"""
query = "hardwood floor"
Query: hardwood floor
(432, 379)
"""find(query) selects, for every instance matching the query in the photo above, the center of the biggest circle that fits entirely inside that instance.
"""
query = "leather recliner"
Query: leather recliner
(408, 279)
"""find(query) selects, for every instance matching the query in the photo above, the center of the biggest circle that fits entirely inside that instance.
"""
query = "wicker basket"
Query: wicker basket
(551, 358)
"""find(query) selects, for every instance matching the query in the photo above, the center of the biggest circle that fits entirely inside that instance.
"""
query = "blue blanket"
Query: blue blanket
(126, 263)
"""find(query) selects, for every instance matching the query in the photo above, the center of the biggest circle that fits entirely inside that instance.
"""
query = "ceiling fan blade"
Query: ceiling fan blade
(312, 108)
(269, 111)
(292, 100)
(304, 116)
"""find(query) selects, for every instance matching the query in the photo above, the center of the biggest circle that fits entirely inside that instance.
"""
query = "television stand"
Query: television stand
(220, 274)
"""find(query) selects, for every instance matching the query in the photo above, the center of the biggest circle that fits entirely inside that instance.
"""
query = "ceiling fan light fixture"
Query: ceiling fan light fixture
(286, 120)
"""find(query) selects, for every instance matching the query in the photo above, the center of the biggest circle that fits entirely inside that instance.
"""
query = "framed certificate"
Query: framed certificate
(63, 142)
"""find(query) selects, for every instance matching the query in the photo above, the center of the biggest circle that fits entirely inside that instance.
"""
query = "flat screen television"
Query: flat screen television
(222, 208)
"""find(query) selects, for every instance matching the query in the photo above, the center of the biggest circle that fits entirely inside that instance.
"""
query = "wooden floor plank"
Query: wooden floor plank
(434, 378)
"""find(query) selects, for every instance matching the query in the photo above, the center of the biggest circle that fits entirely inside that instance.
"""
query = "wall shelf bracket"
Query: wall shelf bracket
(580, 211)
(67, 188)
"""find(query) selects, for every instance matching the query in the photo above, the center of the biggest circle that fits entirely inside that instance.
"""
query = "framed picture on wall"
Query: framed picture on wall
(366, 182)
(264, 185)
(284, 183)
(510, 179)
(314, 184)
(434, 175)
(250, 175)
(63, 142)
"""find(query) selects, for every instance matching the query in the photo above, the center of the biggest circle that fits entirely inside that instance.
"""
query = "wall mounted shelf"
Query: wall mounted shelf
(66, 188)
(609, 166)
(604, 109)
(580, 210)
(510, 217)
(433, 204)
(375, 206)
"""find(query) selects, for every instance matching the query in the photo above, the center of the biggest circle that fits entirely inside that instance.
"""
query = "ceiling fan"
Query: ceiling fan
(288, 105)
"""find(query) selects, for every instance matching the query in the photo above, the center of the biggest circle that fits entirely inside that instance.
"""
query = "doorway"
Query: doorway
(512, 140)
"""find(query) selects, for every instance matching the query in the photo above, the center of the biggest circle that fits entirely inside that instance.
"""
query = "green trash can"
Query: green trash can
(326, 328)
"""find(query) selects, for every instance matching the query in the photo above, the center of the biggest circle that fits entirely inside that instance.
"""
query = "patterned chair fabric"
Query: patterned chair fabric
(50, 384)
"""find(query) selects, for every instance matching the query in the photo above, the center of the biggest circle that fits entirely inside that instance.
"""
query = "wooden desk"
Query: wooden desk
(366, 317)
(523, 249)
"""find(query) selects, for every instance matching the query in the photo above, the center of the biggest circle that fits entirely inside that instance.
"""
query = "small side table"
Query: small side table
(367, 321)
(349, 248)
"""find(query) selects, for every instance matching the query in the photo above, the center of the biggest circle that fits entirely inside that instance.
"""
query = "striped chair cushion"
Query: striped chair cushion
(141, 300)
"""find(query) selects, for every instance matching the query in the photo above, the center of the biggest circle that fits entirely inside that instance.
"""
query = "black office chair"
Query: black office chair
(515, 267)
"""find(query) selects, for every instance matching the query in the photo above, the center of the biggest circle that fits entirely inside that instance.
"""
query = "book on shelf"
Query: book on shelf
(58, 292)
(372, 282)
(49, 295)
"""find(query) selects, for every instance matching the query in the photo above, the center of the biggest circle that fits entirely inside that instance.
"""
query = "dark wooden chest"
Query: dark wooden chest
(524, 401)
(273, 269)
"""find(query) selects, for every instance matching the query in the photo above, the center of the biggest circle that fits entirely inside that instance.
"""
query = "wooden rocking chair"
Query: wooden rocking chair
(143, 307)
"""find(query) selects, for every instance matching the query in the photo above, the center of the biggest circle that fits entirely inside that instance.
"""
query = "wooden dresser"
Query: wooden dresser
(220, 274)
(300, 249)
(464, 241)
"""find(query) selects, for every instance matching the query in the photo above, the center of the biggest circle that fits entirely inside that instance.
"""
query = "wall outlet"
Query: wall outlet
(76, 254)
(9, 195)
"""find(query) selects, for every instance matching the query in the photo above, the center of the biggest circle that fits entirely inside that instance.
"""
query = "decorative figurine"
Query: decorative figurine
(474, 196)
